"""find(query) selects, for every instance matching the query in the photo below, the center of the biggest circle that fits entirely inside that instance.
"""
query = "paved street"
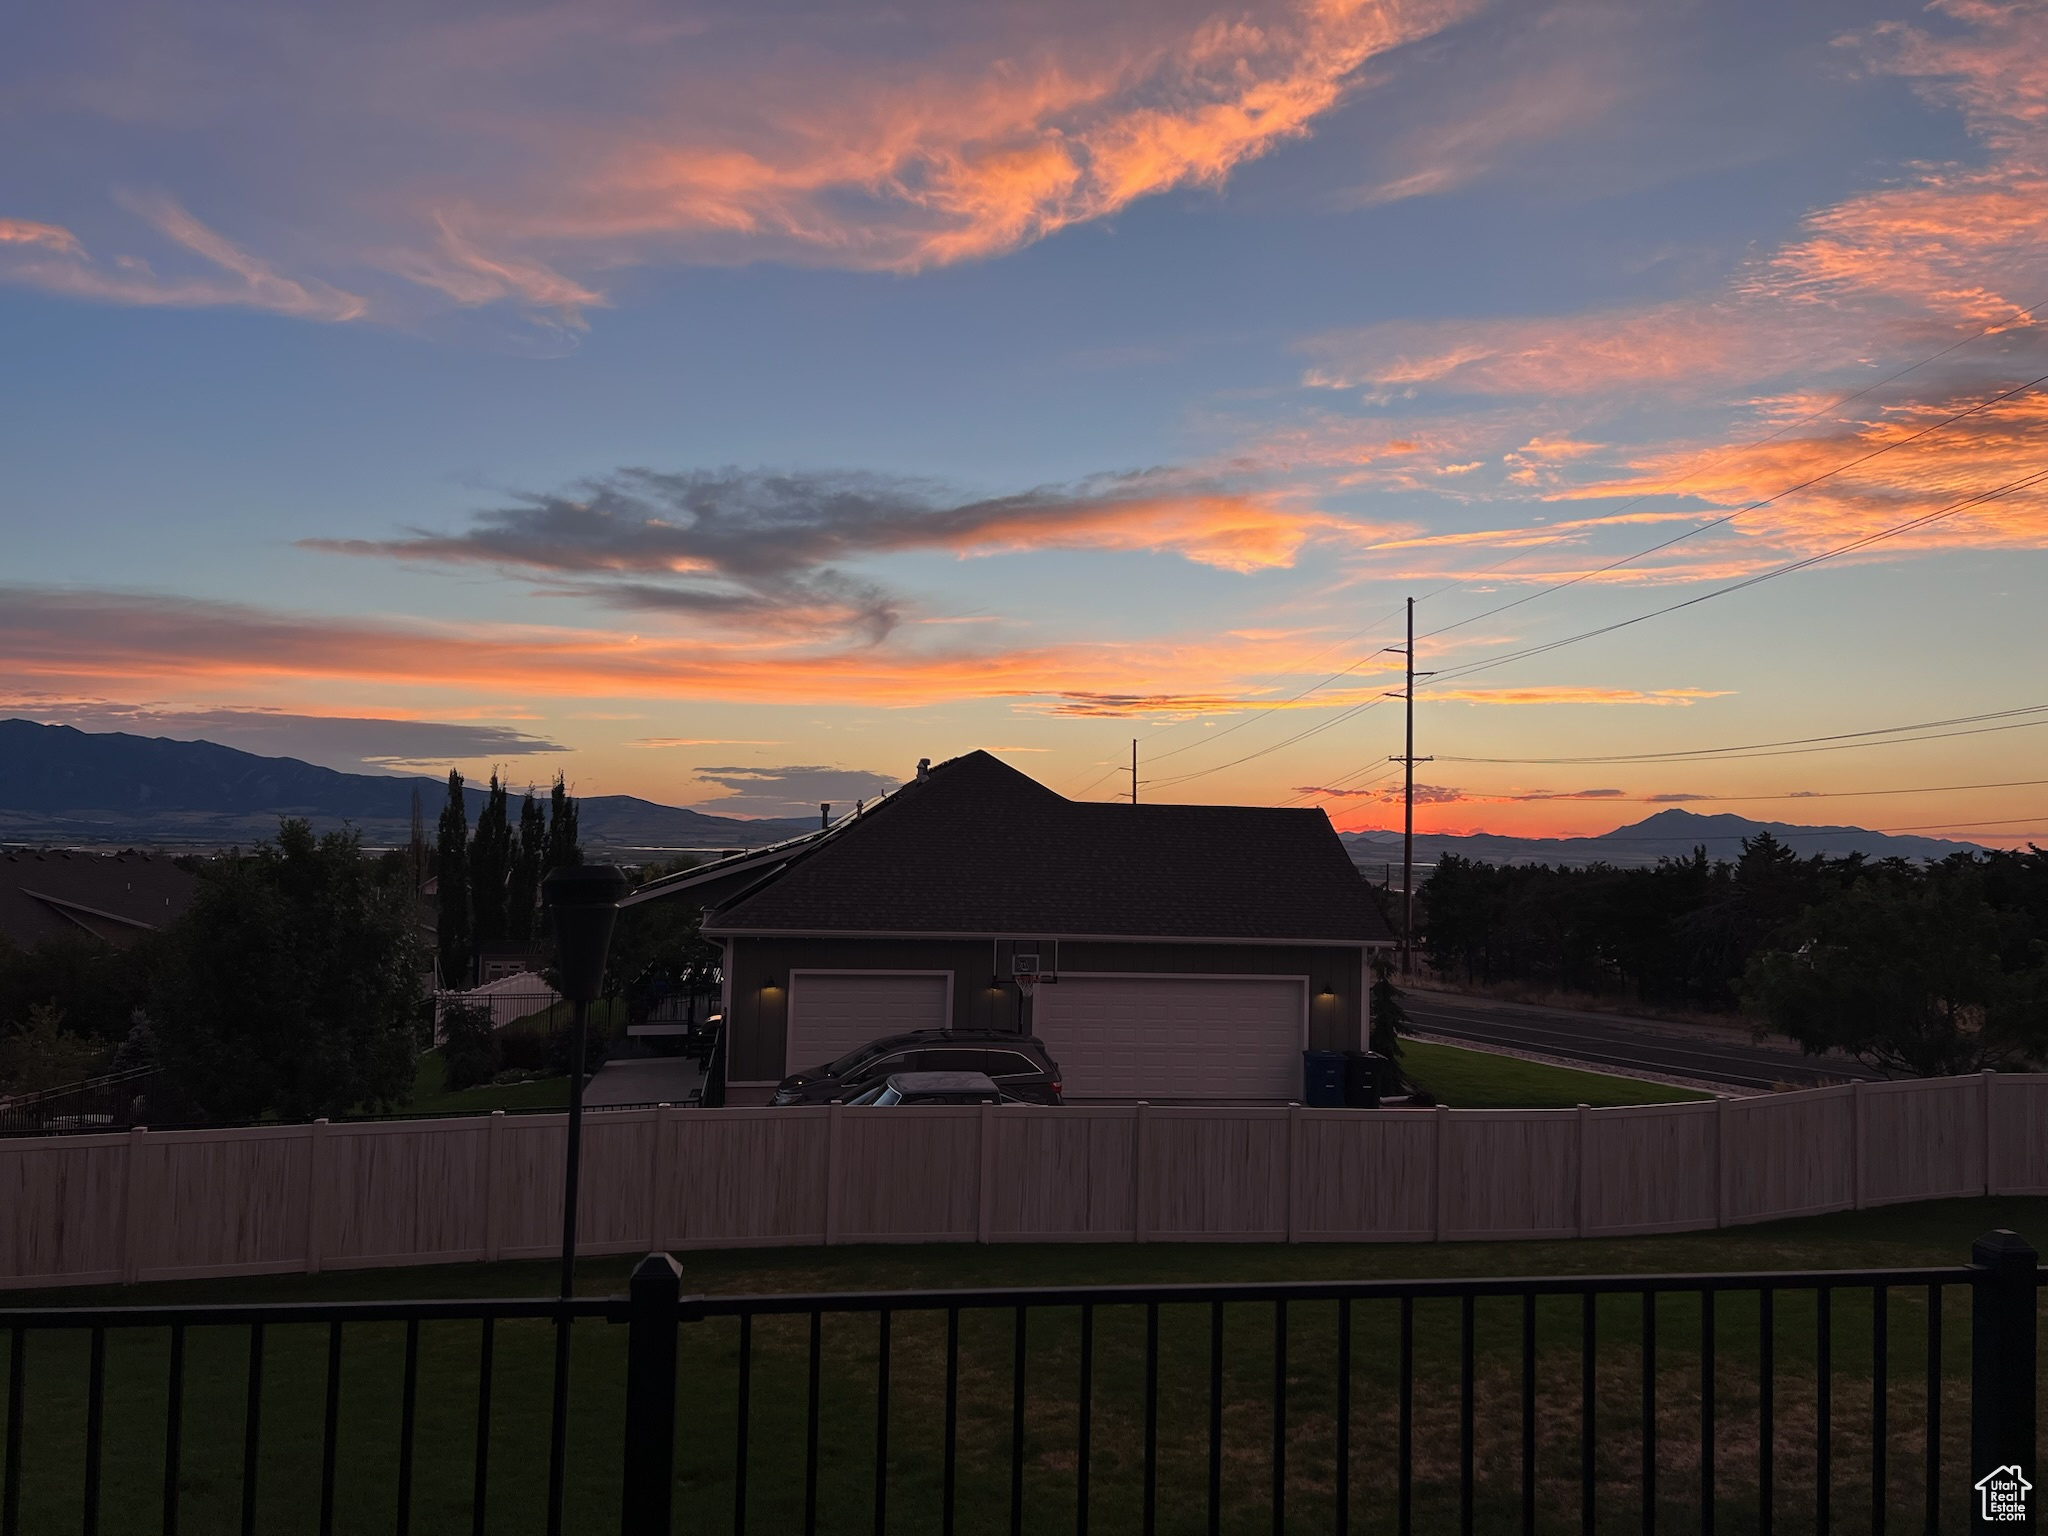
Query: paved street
(1618, 1043)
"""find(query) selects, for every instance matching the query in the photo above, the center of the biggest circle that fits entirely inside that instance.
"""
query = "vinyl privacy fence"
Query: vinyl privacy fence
(142, 1205)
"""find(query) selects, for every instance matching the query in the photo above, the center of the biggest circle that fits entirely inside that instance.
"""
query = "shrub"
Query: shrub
(469, 1046)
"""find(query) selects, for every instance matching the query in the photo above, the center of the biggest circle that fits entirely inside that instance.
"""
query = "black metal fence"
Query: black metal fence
(1853, 1400)
(111, 1101)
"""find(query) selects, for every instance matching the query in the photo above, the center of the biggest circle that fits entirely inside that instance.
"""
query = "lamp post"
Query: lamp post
(583, 901)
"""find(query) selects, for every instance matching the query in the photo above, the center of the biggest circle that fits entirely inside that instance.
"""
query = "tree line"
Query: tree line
(290, 986)
(297, 983)
(1917, 968)
(489, 882)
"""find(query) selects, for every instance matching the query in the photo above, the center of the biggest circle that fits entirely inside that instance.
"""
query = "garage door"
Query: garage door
(831, 1013)
(1174, 1037)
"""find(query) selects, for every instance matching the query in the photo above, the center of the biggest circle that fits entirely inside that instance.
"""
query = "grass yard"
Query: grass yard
(295, 1362)
(431, 1097)
(1487, 1080)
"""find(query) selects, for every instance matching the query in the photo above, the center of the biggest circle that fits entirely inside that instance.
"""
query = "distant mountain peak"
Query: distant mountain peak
(61, 784)
(1670, 833)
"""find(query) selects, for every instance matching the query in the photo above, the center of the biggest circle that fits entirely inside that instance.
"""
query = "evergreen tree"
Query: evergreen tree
(522, 890)
(291, 984)
(490, 866)
(452, 932)
(1387, 1014)
(562, 846)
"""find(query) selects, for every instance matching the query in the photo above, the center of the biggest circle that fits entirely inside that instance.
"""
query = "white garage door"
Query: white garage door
(832, 1012)
(1174, 1037)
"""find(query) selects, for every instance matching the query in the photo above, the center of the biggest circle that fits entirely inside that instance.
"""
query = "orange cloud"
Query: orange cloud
(48, 257)
(971, 156)
(457, 268)
(1915, 475)
(90, 642)
(1560, 694)
(49, 236)
(1945, 265)
(493, 156)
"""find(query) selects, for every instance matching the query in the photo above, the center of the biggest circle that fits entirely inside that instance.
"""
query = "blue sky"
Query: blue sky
(732, 406)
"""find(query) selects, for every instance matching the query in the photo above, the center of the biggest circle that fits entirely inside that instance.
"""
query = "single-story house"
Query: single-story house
(1188, 952)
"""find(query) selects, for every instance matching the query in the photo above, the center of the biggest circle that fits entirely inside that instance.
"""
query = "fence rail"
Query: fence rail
(1812, 1400)
(146, 1205)
(109, 1100)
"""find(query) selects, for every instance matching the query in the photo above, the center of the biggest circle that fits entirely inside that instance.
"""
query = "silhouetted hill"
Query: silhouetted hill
(65, 785)
(1668, 834)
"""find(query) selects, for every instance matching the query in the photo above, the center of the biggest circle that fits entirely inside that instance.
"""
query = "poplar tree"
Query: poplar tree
(490, 865)
(562, 846)
(522, 890)
(452, 931)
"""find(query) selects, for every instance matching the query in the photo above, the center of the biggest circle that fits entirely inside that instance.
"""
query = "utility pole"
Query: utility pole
(1408, 760)
(1134, 771)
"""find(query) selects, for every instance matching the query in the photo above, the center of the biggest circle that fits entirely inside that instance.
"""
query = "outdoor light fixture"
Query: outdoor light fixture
(583, 904)
(583, 901)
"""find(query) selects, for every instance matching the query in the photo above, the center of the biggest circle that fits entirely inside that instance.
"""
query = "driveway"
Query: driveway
(1702, 1053)
(644, 1080)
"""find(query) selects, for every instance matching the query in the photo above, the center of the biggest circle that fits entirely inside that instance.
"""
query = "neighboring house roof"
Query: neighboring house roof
(114, 897)
(978, 848)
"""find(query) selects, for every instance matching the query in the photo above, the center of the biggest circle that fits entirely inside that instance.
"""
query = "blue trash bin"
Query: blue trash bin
(1322, 1079)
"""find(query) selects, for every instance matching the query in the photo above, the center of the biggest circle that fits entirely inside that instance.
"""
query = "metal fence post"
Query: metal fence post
(2002, 1382)
(651, 1321)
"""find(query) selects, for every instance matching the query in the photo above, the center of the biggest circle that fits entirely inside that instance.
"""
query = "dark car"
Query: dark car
(932, 1088)
(1018, 1063)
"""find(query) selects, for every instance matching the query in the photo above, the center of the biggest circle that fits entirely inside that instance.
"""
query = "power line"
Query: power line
(1796, 746)
(1681, 801)
(1835, 405)
(1730, 517)
(1786, 569)
(2023, 313)
(1314, 730)
(1536, 650)
(1258, 711)
(1486, 663)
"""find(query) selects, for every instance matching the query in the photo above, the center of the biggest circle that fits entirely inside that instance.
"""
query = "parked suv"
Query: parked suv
(932, 1088)
(1018, 1063)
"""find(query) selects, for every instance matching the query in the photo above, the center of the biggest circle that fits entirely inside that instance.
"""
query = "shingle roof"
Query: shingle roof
(979, 848)
(115, 897)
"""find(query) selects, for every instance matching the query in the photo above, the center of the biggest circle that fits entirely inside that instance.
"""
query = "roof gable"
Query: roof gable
(978, 847)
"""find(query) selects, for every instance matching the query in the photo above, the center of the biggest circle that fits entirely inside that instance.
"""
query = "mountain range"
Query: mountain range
(1668, 834)
(63, 785)
(59, 784)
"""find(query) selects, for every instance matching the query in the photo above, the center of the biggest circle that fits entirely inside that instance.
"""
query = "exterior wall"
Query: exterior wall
(757, 1008)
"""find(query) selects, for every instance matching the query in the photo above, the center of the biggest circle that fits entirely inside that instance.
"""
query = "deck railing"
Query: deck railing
(1798, 1400)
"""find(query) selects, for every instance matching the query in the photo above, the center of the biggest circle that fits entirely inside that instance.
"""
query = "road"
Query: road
(1618, 1043)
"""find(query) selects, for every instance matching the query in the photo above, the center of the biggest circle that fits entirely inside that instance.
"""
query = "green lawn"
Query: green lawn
(1486, 1080)
(430, 1096)
(295, 1361)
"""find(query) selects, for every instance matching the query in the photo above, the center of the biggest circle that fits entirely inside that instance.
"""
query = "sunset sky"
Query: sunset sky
(732, 404)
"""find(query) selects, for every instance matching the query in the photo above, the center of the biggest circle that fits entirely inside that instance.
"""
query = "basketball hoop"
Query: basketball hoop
(1027, 982)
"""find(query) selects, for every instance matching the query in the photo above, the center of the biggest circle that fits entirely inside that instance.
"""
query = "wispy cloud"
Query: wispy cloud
(1946, 258)
(518, 158)
(661, 742)
(791, 791)
(88, 640)
(51, 258)
(762, 550)
(1670, 698)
